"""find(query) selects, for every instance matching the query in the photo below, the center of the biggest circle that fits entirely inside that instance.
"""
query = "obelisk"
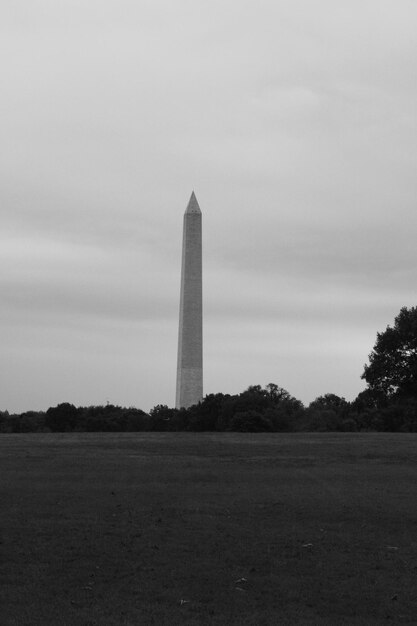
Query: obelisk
(190, 335)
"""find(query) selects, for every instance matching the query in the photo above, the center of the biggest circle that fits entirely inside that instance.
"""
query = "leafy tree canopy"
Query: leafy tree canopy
(392, 369)
(329, 401)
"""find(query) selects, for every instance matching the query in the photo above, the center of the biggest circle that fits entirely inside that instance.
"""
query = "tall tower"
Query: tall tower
(190, 335)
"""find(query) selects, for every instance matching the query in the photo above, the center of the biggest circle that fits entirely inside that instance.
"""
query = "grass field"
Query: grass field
(152, 528)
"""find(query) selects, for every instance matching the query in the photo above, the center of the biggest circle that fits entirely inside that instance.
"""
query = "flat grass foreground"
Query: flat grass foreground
(185, 528)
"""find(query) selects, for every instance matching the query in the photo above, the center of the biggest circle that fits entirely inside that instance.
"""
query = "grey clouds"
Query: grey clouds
(295, 124)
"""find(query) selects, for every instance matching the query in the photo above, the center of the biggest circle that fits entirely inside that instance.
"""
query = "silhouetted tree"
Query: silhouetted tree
(111, 418)
(5, 426)
(250, 422)
(204, 415)
(32, 422)
(61, 418)
(328, 413)
(273, 402)
(162, 418)
(330, 401)
(392, 369)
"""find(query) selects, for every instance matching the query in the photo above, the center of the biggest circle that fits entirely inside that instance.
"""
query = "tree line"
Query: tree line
(389, 402)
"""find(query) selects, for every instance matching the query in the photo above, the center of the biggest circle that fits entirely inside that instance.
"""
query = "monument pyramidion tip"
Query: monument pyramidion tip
(193, 206)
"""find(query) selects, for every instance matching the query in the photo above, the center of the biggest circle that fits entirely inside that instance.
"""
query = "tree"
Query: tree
(276, 393)
(32, 422)
(61, 418)
(392, 369)
(330, 401)
(163, 418)
(203, 416)
(250, 422)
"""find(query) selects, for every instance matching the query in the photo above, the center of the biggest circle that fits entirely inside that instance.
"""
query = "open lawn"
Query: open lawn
(153, 528)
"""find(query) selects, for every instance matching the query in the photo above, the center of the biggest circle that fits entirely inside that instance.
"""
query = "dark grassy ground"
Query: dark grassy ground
(132, 529)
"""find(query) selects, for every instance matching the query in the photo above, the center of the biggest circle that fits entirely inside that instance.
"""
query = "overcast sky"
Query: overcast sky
(295, 124)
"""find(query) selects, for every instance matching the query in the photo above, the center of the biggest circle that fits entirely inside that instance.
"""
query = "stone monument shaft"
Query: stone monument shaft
(190, 335)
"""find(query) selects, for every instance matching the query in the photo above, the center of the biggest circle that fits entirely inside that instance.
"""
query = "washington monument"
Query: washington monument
(190, 335)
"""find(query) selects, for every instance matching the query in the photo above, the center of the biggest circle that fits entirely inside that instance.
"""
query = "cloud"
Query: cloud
(295, 124)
